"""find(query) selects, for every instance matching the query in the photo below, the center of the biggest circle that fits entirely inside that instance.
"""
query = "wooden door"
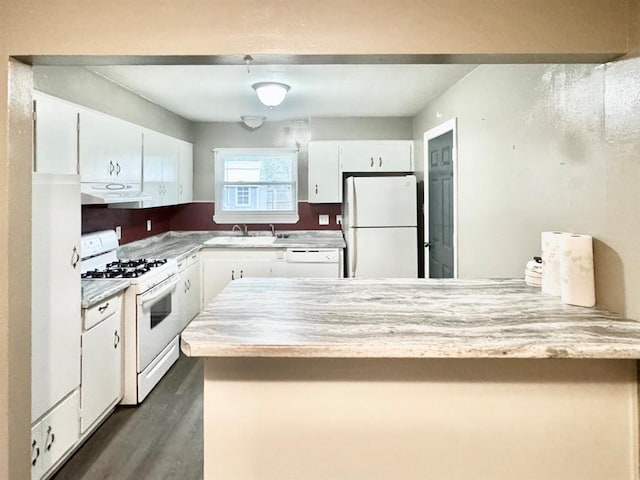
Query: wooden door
(439, 249)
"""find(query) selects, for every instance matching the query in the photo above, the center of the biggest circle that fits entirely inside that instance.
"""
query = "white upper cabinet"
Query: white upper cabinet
(324, 172)
(110, 149)
(56, 135)
(185, 187)
(376, 156)
(161, 160)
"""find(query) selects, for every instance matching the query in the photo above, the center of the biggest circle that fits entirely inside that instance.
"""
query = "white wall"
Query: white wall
(547, 147)
(208, 136)
(364, 128)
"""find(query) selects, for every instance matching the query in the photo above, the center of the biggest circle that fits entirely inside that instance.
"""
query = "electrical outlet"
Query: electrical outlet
(148, 225)
(323, 219)
(339, 219)
(119, 232)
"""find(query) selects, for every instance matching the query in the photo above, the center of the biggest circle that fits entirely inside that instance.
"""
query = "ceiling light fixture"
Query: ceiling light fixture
(253, 121)
(271, 94)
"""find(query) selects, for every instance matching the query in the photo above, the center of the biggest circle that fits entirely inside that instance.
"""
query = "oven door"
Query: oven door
(157, 319)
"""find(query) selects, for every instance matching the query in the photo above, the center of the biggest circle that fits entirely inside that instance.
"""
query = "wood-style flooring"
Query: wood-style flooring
(160, 439)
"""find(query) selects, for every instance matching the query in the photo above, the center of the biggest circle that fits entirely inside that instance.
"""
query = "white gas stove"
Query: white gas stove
(150, 310)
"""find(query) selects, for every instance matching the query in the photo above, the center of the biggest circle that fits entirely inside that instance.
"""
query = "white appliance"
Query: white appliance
(150, 312)
(380, 225)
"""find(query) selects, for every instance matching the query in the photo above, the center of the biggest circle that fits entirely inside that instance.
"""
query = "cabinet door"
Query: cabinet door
(357, 157)
(60, 430)
(56, 135)
(129, 160)
(220, 266)
(171, 173)
(254, 268)
(37, 452)
(110, 149)
(394, 157)
(324, 173)
(216, 274)
(381, 156)
(189, 294)
(101, 369)
(185, 189)
(160, 165)
(55, 282)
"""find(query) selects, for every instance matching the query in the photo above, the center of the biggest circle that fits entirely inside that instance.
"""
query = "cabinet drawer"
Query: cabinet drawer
(189, 260)
(96, 314)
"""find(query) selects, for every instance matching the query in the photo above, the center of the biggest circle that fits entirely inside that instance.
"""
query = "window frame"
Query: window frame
(253, 216)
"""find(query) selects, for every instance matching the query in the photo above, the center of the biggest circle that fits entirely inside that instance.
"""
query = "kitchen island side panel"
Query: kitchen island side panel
(292, 418)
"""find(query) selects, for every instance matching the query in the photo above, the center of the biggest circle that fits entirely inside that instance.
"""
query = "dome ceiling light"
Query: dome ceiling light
(271, 94)
(253, 121)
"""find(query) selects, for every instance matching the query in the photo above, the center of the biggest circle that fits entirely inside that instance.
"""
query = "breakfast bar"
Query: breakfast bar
(414, 379)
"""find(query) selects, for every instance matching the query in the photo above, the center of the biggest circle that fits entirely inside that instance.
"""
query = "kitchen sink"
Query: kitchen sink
(256, 241)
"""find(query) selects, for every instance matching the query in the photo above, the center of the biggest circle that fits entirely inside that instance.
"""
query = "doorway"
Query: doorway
(440, 201)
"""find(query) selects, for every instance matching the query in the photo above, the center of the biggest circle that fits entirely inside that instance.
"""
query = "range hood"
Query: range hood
(112, 193)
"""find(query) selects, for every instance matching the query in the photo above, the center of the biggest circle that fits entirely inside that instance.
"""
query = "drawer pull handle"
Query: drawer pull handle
(372, 161)
(103, 308)
(50, 435)
(35, 453)
(380, 164)
(241, 272)
(233, 277)
(116, 339)
(316, 188)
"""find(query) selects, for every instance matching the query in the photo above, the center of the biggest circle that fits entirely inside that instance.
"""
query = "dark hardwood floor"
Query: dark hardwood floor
(160, 439)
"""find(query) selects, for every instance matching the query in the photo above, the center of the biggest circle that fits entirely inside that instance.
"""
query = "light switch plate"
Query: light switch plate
(323, 219)
(339, 219)
(148, 225)
(119, 232)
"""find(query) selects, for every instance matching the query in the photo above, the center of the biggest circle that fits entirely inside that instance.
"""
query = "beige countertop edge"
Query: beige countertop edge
(207, 350)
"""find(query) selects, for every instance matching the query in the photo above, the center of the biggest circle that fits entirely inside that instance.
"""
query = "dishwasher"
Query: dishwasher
(314, 262)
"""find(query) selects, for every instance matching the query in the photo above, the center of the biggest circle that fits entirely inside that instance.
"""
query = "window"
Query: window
(256, 185)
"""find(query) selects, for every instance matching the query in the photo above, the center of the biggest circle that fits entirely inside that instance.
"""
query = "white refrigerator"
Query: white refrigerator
(380, 224)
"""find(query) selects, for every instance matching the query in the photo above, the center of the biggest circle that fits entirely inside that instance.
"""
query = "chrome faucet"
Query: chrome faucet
(244, 229)
(273, 230)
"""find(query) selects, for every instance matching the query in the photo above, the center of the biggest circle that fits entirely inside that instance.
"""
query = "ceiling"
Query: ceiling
(222, 93)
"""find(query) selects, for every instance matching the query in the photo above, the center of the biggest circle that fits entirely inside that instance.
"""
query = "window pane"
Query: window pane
(258, 169)
(259, 197)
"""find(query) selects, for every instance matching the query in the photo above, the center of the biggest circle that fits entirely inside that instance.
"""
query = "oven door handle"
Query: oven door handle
(166, 288)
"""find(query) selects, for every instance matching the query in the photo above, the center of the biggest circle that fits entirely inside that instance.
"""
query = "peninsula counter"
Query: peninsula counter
(414, 379)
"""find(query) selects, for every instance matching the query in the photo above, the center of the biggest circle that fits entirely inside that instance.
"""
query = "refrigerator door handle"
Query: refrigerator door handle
(354, 203)
(354, 255)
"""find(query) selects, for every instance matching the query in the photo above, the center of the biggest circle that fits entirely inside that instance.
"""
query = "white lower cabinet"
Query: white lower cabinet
(189, 288)
(54, 435)
(101, 386)
(223, 265)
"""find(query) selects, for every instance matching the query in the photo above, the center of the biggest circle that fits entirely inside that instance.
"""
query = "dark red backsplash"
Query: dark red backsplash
(190, 216)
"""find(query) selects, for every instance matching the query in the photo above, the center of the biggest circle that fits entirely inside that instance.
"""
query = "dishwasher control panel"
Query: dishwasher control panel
(313, 255)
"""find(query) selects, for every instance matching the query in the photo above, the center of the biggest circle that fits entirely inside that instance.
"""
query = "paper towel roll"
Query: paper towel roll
(551, 262)
(576, 270)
